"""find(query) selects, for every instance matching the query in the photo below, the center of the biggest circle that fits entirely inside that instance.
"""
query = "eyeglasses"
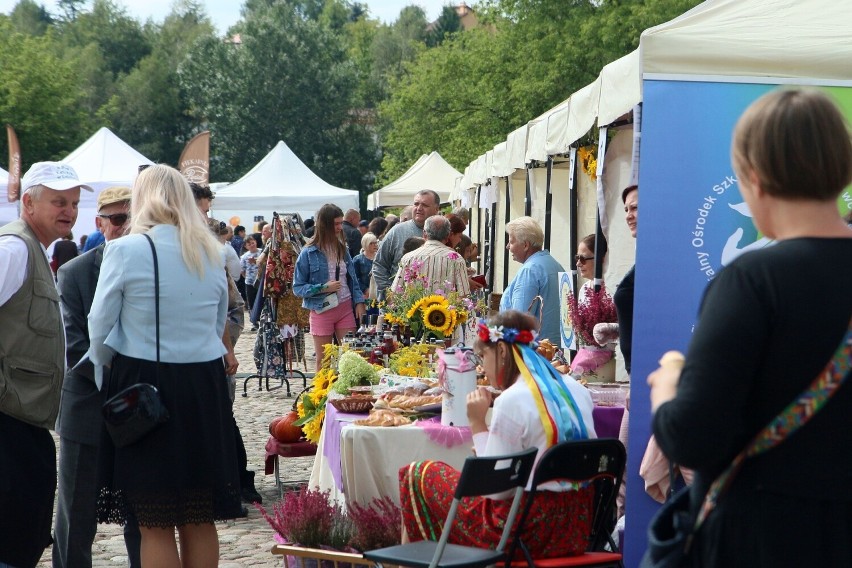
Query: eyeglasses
(581, 258)
(116, 219)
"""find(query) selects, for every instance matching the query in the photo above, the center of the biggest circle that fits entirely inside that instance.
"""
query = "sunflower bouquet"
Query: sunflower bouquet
(425, 311)
(311, 405)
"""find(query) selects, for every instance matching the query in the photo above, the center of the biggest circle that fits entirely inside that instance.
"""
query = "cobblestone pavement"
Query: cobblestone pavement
(247, 541)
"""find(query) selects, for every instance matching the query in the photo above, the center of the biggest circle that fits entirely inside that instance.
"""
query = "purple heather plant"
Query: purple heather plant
(597, 307)
(376, 525)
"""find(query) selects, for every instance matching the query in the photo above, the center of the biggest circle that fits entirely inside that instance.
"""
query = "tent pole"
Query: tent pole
(528, 196)
(572, 212)
(548, 204)
(507, 218)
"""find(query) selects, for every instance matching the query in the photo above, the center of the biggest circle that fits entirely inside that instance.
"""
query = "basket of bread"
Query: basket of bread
(353, 404)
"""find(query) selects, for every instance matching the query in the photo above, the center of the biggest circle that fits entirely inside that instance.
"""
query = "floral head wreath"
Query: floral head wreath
(494, 334)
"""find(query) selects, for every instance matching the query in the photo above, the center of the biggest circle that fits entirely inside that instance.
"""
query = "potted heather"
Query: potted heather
(307, 519)
(593, 361)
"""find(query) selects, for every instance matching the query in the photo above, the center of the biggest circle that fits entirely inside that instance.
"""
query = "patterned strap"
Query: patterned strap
(796, 415)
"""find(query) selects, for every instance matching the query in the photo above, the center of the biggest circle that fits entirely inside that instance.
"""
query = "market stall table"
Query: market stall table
(360, 463)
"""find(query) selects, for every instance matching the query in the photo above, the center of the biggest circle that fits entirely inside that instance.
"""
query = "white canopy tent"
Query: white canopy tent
(428, 172)
(102, 161)
(279, 182)
(758, 38)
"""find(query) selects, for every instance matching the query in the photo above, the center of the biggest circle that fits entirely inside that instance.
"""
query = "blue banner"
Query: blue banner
(692, 222)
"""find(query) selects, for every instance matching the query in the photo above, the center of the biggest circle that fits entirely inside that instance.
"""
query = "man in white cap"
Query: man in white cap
(80, 422)
(32, 359)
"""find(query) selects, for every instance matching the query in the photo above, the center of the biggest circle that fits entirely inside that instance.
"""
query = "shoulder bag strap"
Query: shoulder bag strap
(793, 417)
(156, 294)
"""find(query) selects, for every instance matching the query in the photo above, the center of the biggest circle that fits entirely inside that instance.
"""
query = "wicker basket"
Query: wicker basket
(353, 404)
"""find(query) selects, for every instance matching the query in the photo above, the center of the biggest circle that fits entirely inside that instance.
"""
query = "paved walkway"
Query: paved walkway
(242, 542)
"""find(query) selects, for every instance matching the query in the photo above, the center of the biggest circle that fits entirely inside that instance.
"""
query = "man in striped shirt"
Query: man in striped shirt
(440, 263)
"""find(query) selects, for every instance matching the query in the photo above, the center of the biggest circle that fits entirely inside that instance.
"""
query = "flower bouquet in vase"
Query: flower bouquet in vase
(595, 362)
(425, 310)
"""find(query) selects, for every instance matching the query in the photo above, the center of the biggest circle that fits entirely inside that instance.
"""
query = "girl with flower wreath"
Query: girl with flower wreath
(538, 407)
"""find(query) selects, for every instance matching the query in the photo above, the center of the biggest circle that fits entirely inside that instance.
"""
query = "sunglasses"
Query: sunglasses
(581, 258)
(116, 219)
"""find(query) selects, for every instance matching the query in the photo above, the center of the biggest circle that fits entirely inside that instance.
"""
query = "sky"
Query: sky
(226, 12)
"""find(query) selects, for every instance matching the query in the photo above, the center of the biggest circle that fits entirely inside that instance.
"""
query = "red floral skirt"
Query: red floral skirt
(559, 523)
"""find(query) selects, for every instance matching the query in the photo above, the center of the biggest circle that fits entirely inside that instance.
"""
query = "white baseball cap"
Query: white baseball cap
(54, 175)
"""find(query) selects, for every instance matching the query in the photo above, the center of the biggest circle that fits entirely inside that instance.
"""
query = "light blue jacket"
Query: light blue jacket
(192, 308)
(312, 272)
(538, 276)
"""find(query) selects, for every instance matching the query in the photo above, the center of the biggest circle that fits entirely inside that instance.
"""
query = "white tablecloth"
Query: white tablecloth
(370, 459)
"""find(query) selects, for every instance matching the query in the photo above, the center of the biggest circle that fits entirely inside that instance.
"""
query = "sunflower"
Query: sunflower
(438, 318)
(313, 428)
(414, 307)
(429, 301)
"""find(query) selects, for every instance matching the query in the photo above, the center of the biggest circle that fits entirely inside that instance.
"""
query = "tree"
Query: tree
(39, 96)
(450, 100)
(290, 80)
(118, 36)
(151, 108)
(30, 18)
(466, 94)
(447, 23)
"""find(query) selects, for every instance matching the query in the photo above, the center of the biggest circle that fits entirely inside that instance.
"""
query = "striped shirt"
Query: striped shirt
(440, 264)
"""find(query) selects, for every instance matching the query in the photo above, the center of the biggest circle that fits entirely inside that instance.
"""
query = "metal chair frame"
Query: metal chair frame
(479, 476)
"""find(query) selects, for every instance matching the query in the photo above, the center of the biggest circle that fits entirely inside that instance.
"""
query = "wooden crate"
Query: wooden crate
(301, 554)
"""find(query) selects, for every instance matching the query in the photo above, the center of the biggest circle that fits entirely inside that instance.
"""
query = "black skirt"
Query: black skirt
(184, 471)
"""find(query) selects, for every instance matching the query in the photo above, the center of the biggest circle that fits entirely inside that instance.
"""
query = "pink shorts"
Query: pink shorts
(337, 318)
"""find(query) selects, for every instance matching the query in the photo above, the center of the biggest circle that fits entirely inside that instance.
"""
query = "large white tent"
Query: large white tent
(428, 172)
(279, 182)
(102, 161)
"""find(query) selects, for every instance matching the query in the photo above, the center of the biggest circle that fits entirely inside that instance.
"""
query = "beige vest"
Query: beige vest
(32, 342)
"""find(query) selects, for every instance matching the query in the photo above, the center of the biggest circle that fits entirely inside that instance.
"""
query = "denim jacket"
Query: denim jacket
(312, 272)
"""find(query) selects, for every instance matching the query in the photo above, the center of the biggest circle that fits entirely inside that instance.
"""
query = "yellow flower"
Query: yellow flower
(313, 429)
(414, 307)
(432, 300)
(437, 318)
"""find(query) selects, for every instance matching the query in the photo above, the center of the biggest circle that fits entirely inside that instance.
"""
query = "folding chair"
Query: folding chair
(479, 476)
(600, 462)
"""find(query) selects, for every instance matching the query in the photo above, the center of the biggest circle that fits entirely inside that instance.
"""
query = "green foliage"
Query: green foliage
(447, 23)
(465, 95)
(289, 80)
(30, 18)
(118, 36)
(39, 96)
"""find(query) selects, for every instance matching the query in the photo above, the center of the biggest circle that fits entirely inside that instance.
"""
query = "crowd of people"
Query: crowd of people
(158, 294)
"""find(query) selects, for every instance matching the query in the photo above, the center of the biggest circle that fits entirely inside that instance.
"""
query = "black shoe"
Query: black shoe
(250, 495)
(243, 512)
(254, 328)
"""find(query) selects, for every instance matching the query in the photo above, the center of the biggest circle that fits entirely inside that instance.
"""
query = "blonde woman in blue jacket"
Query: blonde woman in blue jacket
(183, 474)
(325, 273)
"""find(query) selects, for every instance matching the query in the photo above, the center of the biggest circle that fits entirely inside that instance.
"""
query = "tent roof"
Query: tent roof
(105, 159)
(429, 172)
(621, 88)
(282, 182)
(754, 38)
(373, 197)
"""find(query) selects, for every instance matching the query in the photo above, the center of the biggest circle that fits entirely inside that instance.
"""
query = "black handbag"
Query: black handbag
(138, 409)
(673, 527)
